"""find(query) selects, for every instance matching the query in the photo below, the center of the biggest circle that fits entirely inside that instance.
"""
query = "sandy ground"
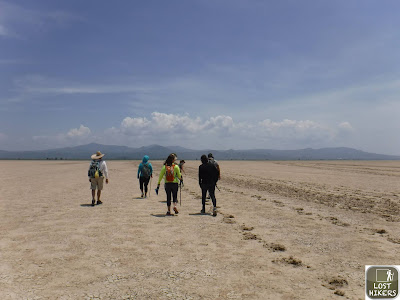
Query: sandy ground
(285, 230)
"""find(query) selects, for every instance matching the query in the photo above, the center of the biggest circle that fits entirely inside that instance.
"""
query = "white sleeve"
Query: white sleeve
(104, 169)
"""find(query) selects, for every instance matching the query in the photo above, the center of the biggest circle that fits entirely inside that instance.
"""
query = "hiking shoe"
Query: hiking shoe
(93, 202)
(214, 211)
(168, 213)
(203, 211)
(176, 210)
(142, 195)
(99, 202)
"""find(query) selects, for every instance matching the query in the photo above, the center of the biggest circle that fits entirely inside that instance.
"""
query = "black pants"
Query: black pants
(171, 188)
(210, 187)
(144, 181)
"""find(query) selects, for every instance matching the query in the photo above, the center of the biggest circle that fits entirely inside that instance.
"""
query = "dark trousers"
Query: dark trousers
(210, 187)
(144, 182)
(171, 189)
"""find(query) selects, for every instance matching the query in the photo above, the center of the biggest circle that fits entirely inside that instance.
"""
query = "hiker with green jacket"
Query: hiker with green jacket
(172, 176)
(145, 172)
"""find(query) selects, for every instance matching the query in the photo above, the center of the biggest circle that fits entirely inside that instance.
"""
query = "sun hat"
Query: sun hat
(98, 155)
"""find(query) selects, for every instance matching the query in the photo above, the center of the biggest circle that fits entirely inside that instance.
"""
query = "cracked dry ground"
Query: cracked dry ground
(285, 230)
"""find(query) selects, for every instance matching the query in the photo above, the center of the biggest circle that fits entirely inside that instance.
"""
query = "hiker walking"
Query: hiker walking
(172, 176)
(180, 165)
(208, 177)
(97, 171)
(145, 172)
(215, 163)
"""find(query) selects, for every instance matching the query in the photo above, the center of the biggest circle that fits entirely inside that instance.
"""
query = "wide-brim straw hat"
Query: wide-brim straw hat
(97, 155)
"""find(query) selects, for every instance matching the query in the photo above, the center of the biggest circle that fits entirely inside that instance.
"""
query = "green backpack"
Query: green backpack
(94, 169)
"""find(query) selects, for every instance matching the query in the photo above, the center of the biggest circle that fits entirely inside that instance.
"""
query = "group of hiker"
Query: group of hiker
(171, 172)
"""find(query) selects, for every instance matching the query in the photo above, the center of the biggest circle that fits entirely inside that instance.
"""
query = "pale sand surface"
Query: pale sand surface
(325, 215)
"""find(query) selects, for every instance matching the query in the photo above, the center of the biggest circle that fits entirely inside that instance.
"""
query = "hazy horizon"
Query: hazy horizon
(191, 149)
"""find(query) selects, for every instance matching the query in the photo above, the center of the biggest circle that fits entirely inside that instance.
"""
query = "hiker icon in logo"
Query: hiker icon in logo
(382, 282)
(389, 275)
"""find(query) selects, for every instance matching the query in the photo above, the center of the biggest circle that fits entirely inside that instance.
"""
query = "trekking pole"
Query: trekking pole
(217, 187)
(150, 186)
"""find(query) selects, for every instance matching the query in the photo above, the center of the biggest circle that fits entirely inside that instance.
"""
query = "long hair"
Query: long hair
(170, 160)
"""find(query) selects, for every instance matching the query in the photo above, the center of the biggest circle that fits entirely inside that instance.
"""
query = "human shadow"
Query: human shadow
(162, 215)
(86, 205)
(199, 214)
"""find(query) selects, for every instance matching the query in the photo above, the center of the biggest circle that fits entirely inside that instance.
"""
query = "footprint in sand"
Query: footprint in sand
(335, 283)
(275, 247)
(250, 236)
(290, 261)
(229, 219)
(336, 221)
(246, 228)
(393, 240)
(279, 203)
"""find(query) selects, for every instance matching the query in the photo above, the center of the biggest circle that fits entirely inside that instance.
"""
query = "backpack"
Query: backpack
(94, 170)
(215, 164)
(169, 173)
(145, 170)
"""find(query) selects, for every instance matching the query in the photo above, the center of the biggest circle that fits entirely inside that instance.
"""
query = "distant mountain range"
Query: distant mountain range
(161, 152)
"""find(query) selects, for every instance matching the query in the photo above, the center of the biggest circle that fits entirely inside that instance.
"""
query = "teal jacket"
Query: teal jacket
(144, 162)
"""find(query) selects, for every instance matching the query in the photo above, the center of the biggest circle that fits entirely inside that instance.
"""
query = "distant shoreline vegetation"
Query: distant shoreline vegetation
(157, 152)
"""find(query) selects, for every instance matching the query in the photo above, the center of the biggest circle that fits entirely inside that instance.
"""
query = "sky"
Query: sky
(201, 74)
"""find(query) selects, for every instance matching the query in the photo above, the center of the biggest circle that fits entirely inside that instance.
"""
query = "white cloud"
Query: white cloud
(222, 132)
(174, 124)
(220, 123)
(74, 136)
(38, 84)
(81, 132)
(296, 130)
(346, 126)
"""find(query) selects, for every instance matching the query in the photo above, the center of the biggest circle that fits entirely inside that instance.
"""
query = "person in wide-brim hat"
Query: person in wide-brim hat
(97, 172)
(97, 155)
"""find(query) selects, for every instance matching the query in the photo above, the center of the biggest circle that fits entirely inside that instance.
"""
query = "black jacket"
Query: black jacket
(208, 173)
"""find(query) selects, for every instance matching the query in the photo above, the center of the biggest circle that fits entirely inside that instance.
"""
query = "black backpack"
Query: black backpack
(145, 170)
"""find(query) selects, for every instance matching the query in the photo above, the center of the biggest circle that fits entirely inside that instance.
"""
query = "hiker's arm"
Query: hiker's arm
(216, 176)
(199, 178)
(105, 171)
(162, 172)
(139, 169)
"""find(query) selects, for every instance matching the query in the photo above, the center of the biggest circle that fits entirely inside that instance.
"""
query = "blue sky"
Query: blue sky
(200, 74)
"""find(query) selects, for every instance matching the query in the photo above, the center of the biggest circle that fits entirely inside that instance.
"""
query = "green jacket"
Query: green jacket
(177, 175)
